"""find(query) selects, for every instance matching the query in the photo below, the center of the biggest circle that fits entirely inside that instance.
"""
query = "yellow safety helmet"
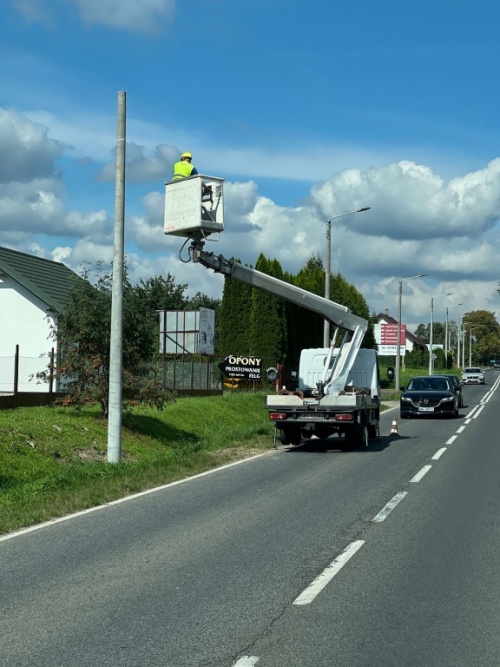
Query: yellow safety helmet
(187, 155)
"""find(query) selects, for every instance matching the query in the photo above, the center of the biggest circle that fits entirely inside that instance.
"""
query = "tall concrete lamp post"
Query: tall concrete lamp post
(448, 333)
(431, 354)
(398, 345)
(326, 330)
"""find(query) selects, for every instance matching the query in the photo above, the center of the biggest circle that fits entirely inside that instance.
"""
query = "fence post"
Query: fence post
(16, 371)
(51, 372)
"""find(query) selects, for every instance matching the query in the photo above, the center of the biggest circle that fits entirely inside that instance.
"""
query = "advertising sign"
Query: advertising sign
(246, 368)
(388, 345)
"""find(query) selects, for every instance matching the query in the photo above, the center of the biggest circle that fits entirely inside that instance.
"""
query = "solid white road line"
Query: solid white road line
(387, 509)
(246, 661)
(308, 595)
(451, 440)
(439, 453)
(67, 517)
(420, 474)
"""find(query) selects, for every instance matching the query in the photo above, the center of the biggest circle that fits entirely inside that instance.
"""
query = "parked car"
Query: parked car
(429, 396)
(473, 375)
(457, 386)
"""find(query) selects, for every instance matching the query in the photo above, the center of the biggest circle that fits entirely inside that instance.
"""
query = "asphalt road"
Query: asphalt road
(302, 557)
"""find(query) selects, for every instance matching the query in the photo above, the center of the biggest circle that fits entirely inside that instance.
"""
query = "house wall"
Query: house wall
(24, 321)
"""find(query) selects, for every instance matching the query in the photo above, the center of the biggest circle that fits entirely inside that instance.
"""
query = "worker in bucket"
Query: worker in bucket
(184, 169)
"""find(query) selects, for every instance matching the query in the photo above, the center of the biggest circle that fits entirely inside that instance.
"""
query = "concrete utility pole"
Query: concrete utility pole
(116, 337)
(431, 344)
(398, 345)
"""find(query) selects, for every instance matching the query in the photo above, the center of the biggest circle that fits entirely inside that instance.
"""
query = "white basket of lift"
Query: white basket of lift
(194, 206)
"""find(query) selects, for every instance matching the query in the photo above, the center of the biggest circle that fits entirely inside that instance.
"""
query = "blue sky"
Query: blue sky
(308, 110)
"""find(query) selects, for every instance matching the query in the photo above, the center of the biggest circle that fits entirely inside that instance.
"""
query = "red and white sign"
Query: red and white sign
(389, 334)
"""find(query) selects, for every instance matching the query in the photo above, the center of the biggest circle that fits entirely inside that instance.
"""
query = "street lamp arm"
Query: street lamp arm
(326, 328)
(341, 215)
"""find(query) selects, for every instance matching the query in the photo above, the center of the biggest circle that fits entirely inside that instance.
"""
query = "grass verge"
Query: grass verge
(53, 460)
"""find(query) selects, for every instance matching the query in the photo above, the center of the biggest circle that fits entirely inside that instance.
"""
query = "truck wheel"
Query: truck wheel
(357, 437)
(290, 435)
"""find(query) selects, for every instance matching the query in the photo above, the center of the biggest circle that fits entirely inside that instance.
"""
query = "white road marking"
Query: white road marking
(467, 421)
(420, 474)
(439, 453)
(469, 416)
(246, 661)
(308, 594)
(479, 412)
(45, 524)
(460, 429)
(451, 440)
(387, 509)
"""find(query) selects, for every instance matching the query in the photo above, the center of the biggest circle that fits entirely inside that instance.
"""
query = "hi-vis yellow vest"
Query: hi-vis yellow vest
(182, 169)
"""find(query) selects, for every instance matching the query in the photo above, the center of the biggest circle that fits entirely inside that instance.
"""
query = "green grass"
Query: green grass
(53, 460)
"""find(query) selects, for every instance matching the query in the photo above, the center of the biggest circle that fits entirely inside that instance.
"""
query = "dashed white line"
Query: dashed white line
(460, 429)
(478, 412)
(439, 453)
(387, 509)
(451, 440)
(308, 594)
(420, 474)
(246, 661)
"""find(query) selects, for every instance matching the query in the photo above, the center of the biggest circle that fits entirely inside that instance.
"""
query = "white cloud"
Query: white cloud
(135, 15)
(27, 152)
(143, 15)
(36, 11)
(141, 168)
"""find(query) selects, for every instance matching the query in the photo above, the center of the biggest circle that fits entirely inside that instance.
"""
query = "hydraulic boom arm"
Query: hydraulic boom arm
(337, 315)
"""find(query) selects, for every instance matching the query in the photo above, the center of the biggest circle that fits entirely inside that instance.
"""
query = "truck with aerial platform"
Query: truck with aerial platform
(338, 388)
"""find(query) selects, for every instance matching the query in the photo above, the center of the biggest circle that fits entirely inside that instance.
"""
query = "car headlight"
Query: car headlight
(446, 398)
(406, 399)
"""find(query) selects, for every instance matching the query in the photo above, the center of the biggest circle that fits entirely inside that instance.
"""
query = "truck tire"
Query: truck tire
(357, 437)
(290, 435)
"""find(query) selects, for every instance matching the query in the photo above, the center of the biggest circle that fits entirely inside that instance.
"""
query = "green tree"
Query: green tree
(83, 335)
(483, 331)
(233, 331)
(268, 319)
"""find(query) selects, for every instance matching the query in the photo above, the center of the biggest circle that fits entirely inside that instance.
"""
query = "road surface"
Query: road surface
(303, 557)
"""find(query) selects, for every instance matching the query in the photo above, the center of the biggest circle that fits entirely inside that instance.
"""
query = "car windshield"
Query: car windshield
(428, 384)
(472, 370)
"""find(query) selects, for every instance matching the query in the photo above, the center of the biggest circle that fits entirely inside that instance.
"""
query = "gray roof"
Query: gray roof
(50, 281)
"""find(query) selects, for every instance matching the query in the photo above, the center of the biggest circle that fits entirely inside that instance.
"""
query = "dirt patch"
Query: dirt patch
(234, 454)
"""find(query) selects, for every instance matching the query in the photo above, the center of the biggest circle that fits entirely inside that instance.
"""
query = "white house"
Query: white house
(32, 294)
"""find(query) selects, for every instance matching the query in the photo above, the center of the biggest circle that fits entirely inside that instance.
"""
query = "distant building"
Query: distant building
(33, 292)
(386, 331)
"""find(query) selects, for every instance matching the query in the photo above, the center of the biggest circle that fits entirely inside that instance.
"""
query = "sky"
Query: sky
(307, 110)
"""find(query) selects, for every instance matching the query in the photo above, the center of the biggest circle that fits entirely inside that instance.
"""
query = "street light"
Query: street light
(431, 360)
(326, 330)
(398, 346)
